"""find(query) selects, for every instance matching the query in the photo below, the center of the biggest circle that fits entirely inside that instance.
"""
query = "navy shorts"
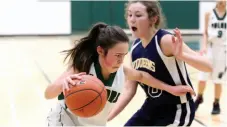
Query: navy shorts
(163, 115)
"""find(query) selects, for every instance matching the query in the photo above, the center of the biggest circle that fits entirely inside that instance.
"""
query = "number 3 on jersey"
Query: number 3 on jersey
(219, 34)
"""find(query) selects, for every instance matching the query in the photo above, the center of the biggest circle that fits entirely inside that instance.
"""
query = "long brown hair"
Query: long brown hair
(84, 53)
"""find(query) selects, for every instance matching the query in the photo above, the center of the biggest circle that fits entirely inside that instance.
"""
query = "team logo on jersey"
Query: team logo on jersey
(112, 96)
(144, 63)
(220, 25)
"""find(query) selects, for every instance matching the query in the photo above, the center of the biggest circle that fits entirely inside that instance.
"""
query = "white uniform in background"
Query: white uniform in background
(216, 51)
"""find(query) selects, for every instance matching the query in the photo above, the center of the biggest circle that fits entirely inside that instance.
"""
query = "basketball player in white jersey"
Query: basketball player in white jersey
(101, 54)
(214, 46)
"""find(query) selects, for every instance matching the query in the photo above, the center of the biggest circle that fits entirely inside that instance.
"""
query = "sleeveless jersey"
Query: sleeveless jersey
(167, 69)
(114, 86)
(217, 28)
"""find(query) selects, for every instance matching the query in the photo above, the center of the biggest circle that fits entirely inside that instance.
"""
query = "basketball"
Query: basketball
(87, 98)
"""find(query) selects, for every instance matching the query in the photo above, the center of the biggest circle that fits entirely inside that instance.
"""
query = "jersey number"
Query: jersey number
(219, 34)
(153, 92)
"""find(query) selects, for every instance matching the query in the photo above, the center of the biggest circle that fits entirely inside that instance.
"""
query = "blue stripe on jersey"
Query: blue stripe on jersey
(160, 34)
(188, 79)
(167, 69)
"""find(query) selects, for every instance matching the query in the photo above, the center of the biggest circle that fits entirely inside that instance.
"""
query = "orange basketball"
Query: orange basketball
(88, 98)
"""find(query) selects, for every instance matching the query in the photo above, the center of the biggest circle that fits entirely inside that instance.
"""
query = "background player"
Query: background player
(101, 54)
(168, 56)
(214, 46)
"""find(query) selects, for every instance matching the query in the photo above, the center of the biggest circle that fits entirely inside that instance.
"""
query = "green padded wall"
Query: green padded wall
(117, 13)
(182, 14)
(81, 15)
(86, 13)
(101, 12)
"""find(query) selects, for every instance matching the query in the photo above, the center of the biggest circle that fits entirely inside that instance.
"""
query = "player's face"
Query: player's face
(115, 56)
(137, 19)
(221, 3)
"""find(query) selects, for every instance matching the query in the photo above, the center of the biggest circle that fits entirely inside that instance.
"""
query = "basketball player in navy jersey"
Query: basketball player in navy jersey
(163, 56)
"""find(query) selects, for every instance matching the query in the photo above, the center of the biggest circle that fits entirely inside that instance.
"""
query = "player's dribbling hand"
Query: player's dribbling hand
(177, 43)
(182, 90)
(71, 80)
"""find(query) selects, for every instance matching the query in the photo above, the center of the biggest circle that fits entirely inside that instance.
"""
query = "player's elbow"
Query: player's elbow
(48, 94)
(208, 68)
(135, 76)
(140, 76)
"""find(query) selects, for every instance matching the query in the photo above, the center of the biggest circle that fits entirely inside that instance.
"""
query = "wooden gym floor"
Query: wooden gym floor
(27, 66)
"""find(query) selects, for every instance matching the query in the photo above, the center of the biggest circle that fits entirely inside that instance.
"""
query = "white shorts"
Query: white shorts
(60, 116)
(217, 54)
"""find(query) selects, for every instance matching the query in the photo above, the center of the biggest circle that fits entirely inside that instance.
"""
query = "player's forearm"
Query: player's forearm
(53, 91)
(204, 42)
(149, 80)
(200, 62)
(122, 102)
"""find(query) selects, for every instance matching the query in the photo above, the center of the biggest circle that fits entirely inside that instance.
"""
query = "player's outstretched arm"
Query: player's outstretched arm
(149, 80)
(174, 46)
(128, 93)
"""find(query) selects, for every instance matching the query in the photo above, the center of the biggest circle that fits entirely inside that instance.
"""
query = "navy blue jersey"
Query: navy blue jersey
(167, 69)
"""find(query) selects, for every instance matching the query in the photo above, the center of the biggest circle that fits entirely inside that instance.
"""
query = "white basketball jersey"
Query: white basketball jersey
(217, 28)
(113, 94)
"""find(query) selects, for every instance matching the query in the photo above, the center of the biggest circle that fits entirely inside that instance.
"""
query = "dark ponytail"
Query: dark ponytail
(84, 53)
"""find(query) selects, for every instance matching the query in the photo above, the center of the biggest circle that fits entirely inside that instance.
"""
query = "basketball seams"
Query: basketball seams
(95, 81)
(83, 91)
(103, 88)
(99, 95)
(87, 103)
(79, 91)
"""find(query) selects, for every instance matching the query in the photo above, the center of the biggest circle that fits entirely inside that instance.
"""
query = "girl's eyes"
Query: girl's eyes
(118, 55)
(130, 15)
